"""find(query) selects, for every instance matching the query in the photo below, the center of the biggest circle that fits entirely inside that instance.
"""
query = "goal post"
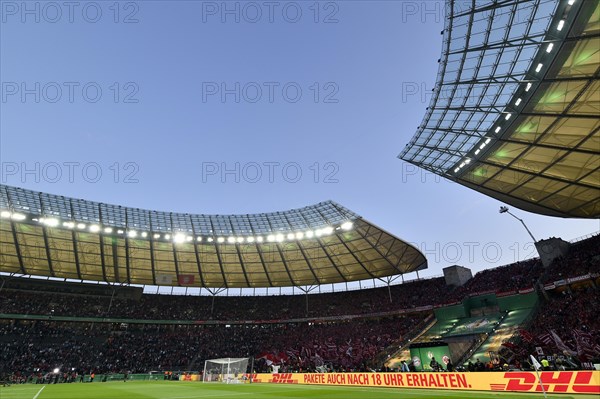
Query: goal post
(227, 370)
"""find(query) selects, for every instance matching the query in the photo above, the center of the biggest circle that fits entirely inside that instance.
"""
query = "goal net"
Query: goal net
(226, 370)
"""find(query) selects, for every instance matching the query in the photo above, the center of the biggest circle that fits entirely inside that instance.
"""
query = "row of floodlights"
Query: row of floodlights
(181, 237)
(508, 115)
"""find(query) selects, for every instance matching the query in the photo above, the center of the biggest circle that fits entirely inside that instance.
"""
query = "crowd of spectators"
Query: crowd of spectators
(40, 346)
(173, 307)
(567, 325)
(513, 277)
(583, 258)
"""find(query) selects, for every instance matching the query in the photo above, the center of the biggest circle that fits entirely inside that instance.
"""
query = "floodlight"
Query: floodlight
(179, 238)
(94, 228)
(81, 226)
(5, 214)
(347, 225)
(18, 216)
(132, 233)
(221, 239)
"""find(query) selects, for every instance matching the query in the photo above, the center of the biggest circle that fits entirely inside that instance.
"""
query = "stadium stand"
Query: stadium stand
(60, 326)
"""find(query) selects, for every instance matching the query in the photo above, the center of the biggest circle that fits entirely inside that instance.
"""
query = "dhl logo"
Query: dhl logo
(283, 378)
(561, 381)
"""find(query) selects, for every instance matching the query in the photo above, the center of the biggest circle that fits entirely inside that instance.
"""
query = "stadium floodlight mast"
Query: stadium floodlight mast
(504, 209)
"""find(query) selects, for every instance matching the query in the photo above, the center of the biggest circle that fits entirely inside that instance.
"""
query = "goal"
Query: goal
(226, 370)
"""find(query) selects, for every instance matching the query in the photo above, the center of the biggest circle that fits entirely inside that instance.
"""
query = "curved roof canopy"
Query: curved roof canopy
(516, 108)
(49, 235)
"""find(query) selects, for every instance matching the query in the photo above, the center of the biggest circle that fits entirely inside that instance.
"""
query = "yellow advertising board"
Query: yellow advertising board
(585, 382)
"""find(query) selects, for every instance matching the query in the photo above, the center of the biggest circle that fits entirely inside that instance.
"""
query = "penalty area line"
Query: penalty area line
(39, 392)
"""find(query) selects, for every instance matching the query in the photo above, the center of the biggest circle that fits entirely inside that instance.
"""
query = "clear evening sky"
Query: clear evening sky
(244, 107)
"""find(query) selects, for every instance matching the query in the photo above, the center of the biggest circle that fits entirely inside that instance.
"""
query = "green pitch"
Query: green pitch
(191, 390)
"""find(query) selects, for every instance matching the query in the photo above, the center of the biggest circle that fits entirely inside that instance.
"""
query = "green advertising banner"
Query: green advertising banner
(422, 354)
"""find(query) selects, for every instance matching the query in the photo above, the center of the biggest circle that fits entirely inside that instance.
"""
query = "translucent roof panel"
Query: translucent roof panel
(516, 106)
(310, 217)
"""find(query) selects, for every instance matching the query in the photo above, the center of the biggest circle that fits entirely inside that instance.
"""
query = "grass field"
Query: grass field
(191, 390)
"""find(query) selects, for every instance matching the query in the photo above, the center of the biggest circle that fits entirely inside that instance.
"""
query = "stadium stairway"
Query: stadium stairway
(394, 354)
(507, 326)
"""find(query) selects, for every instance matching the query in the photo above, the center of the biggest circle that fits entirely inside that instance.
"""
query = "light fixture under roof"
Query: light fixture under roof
(51, 222)
(347, 225)
(179, 238)
(94, 228)
(539, 67)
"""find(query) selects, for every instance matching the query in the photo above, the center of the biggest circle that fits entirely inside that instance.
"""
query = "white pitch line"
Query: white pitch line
(39, 392)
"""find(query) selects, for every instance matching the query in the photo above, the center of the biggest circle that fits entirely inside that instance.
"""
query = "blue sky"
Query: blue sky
(243, 107)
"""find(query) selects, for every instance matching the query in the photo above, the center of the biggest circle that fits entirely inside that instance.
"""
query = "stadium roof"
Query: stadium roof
(515, 112)
(49, 235)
